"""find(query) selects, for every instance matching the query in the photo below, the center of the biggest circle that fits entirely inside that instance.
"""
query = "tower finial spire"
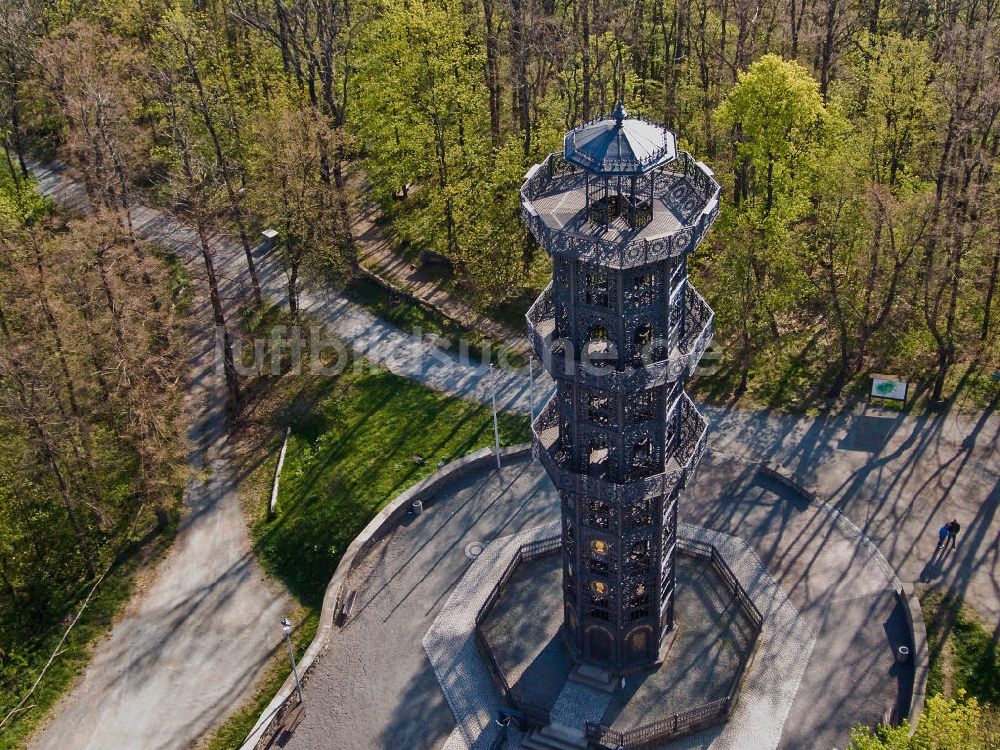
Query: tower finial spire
(620, 114)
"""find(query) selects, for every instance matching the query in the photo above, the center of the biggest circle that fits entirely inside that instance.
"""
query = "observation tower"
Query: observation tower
(620, 329)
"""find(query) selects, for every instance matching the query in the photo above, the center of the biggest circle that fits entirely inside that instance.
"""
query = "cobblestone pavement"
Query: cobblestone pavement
(376, 688)
(840, 584)
(578, 704)
(773, 676)
(450, 642)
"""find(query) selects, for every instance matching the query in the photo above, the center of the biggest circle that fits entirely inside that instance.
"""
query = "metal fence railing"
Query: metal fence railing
(654, 734)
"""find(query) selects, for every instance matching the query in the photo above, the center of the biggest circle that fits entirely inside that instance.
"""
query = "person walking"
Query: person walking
(953, 528)
(943, 536)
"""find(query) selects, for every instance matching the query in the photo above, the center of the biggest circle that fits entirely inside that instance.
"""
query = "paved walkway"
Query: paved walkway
(899, 478)
(375, 688)
(190, 646)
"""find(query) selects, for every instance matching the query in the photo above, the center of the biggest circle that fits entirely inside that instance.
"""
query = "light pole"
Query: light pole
(286, 628)
(496, 428)
(531, 385)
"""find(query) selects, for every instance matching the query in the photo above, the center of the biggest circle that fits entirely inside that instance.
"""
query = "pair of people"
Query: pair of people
(949, 533)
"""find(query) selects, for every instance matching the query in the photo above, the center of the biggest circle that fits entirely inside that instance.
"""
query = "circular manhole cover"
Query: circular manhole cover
(473, 550)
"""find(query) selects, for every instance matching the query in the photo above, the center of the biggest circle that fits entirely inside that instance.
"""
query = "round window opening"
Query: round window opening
(599, 547)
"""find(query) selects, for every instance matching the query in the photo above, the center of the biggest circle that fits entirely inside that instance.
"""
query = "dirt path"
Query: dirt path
(378, 255)
(189, 648)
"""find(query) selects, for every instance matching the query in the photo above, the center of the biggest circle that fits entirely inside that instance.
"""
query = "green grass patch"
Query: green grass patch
(366, 438)
(963, 652)
(180, 286)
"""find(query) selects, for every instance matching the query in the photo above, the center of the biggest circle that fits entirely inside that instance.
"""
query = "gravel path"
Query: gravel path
(190, 646)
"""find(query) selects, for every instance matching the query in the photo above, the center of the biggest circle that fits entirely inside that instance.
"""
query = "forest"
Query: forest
(856, 144)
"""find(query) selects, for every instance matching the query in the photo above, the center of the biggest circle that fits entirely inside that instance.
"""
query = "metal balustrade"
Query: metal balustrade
(687, 186)
(697, 718)
(683, 358)
(549, 449)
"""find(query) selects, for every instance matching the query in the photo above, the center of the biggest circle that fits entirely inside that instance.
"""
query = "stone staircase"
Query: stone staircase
(555, 737)
(594, 677)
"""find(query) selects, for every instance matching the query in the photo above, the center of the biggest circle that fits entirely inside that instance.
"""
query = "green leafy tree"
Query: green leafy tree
(784, 142)
(894, 107)
(780, 127)
(945, 724)
(291, 189)
(422, 113)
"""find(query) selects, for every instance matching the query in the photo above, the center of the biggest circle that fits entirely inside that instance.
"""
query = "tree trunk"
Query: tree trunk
(991, 288)
(219, 316)
(223, 164)
(827, 54)
(519, 48)
(48, 453)
(492, 72)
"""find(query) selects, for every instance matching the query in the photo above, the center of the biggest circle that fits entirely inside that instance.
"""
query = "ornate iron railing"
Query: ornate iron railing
(558, 462)
(705, 551)
(534, 715)
(690, 187)
(655, 734)
(682, 361)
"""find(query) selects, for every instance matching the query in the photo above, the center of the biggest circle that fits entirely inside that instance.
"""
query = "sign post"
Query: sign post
(889, 387)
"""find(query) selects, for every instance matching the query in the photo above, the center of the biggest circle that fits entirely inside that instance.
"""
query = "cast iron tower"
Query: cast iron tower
(620, 330)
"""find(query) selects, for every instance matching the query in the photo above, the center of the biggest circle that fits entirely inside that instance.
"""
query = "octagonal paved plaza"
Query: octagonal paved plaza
(375, 687)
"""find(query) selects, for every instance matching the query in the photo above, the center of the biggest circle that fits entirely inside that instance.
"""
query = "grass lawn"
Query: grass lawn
(963, 652)
(364, 439)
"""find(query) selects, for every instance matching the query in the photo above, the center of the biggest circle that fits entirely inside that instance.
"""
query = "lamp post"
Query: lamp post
(496, 428)
(531, 385)
(286, 628)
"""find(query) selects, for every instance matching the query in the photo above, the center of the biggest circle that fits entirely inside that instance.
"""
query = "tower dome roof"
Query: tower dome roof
(620, 145)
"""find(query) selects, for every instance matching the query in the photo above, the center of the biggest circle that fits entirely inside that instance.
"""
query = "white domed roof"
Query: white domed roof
(620, 145)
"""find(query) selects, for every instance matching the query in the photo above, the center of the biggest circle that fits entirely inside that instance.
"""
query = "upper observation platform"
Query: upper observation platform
(620, 196)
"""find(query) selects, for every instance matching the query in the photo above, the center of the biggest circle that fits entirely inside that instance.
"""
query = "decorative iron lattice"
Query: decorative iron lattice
(621, 329)
(555, 348)
(684, 187)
